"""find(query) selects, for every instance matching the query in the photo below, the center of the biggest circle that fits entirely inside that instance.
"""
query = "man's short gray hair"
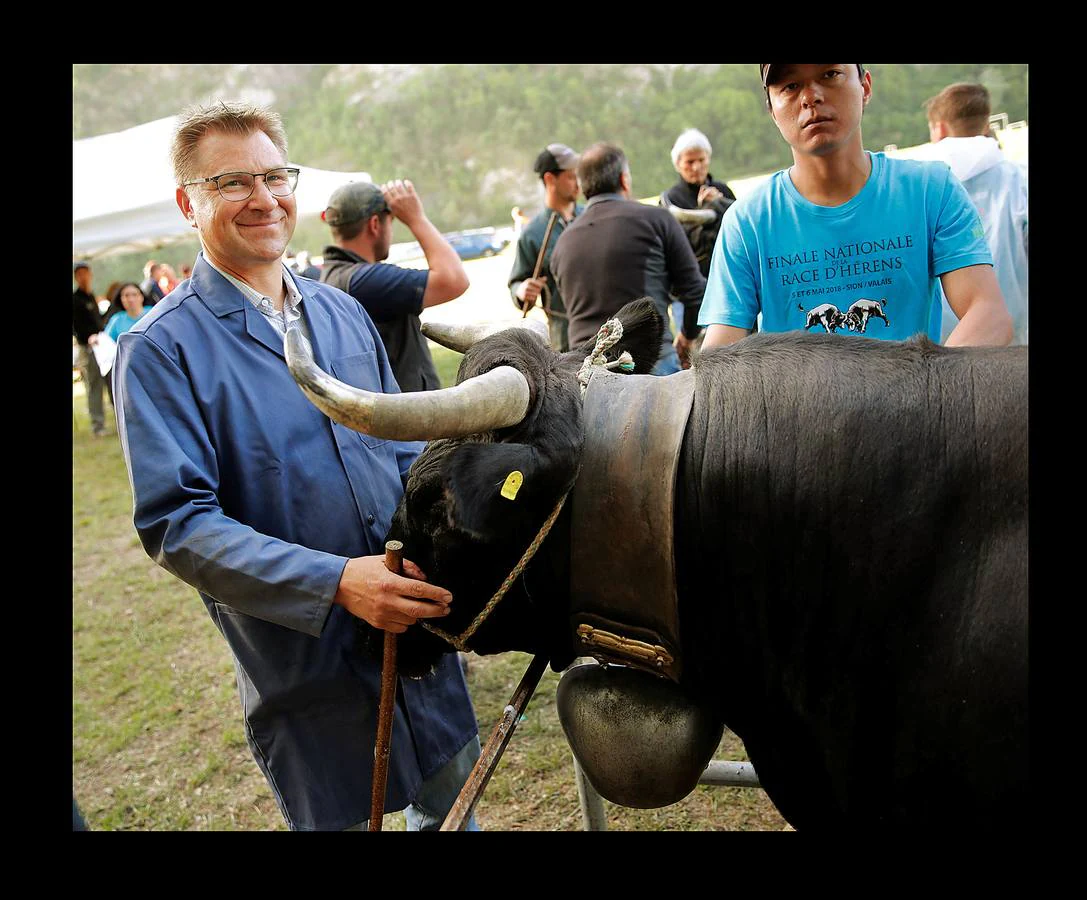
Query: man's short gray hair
(690, 139)
(229, 117)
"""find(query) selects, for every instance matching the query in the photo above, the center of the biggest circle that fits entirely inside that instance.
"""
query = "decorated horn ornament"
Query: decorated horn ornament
(496, 399)
(461, 337)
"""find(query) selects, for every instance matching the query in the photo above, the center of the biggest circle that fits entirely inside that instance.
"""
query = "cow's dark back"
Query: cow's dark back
(852, 546)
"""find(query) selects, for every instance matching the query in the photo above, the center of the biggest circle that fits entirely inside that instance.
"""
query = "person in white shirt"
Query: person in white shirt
(958, 123)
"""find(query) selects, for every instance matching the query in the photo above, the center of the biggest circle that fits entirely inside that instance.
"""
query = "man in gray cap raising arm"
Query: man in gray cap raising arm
(360, 215)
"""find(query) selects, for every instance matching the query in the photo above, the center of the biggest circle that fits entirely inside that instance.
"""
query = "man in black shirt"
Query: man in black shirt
(152, 271)
(86, 325)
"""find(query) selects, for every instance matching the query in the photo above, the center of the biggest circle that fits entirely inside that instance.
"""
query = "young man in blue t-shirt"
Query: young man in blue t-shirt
(846, 241)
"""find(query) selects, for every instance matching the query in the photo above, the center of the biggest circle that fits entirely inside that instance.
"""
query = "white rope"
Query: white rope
(610, 333)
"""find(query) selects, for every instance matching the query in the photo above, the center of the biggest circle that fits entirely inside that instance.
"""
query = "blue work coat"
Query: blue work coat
(246, 491)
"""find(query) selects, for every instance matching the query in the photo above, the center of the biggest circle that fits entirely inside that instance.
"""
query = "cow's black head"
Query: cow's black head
(453, 520)
(456, 525)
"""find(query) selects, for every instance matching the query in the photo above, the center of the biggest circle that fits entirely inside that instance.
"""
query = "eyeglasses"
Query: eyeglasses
(238, 186)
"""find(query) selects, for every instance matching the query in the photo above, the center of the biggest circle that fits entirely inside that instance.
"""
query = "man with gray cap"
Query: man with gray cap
(360, 215)
(846, 240)
(531, 279)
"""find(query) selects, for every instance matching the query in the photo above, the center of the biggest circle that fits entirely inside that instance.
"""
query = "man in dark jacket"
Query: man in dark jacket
(86, 326)
(152, 271)
(557, 167)
(619, 250)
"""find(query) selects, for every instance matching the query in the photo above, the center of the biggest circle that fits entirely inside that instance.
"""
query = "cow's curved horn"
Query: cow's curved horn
(461, 337)
(496, 399)
(692, 216)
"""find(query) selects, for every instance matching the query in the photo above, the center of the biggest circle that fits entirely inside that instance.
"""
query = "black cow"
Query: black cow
(875, 686)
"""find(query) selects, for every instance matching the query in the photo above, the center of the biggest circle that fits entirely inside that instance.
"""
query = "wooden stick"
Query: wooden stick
(540, 256)
(394, 562)
(461, 812)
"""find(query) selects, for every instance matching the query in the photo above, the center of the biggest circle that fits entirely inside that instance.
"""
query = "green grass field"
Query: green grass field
(157, 735)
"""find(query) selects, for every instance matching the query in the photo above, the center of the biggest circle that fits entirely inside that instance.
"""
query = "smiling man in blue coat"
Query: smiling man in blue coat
(275, 514)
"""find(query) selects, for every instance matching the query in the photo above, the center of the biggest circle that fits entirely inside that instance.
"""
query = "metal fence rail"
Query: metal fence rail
(720, 773)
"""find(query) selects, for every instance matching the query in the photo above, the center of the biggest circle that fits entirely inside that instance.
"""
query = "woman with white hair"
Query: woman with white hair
(696, 189)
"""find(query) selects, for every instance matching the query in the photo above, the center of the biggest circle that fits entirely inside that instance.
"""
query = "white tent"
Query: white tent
(123, 191)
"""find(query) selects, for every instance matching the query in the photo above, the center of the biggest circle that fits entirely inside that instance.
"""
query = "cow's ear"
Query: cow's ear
(499, 491)
(643, 330)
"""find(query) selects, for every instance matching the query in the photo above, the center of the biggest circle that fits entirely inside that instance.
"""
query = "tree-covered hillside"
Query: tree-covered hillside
(467, 134)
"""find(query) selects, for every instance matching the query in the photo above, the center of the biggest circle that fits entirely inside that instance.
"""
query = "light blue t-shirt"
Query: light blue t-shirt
(869, 266)
(121, 321)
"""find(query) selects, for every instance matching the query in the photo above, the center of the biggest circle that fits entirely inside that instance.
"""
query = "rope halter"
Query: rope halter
(610, 333)
(460, 641)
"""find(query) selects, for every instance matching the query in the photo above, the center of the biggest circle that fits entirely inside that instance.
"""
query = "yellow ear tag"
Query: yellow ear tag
(512, 485)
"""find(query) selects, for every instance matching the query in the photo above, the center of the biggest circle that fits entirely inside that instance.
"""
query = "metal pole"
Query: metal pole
(394, 562)
(593, 816)
(730, 774)
(461, 812)
(720, 773)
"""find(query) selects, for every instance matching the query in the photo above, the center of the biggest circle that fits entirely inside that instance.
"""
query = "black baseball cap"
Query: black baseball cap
(766, 72)
(353, 202)
(555, 158)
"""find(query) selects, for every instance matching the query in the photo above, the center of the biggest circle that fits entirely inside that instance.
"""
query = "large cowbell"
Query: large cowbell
(640, 739)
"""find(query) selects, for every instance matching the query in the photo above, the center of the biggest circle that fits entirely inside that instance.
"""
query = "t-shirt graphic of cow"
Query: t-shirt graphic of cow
(857, 316)
(827, 314)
